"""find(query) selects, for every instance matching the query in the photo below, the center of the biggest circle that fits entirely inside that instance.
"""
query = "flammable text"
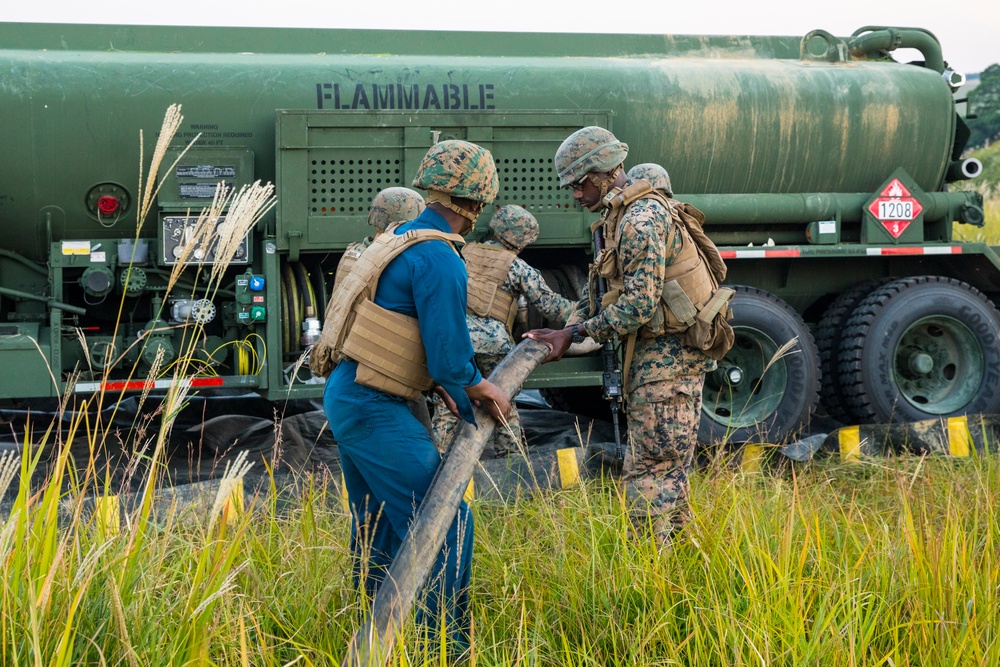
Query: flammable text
(447, 96)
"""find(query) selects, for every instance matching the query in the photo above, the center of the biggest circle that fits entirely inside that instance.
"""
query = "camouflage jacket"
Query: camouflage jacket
(642, 238)
(489, 336)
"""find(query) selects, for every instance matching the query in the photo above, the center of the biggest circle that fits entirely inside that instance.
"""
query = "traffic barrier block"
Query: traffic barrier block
(499, 479)
(959, 436)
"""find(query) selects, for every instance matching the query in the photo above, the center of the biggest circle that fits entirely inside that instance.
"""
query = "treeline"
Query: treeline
(984, 102)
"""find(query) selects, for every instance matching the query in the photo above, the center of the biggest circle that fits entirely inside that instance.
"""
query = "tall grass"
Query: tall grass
(64, 547)
(892, 563)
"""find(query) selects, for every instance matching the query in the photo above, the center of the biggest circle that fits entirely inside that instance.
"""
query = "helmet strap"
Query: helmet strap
(443, 198)
(604, 185)
(506, 244)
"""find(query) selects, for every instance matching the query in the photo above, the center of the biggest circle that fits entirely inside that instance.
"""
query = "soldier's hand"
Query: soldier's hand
(449, 402)
(487, 395)
(558, 341)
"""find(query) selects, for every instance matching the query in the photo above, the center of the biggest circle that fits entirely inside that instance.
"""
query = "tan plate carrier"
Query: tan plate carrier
(386, 344)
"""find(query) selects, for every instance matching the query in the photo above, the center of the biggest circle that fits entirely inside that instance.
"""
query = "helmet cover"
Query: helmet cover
(514, 226)
(655, 174)
(590, 149)
(394, 205)
(460, 169)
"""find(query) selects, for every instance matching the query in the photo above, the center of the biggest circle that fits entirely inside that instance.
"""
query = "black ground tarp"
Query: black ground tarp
(209, 433)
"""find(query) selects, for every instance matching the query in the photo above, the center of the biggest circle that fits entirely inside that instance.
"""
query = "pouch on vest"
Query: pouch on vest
(389, 351)
(606, 263)
(711, 332)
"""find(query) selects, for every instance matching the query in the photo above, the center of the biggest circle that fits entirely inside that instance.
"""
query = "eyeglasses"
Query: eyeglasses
(578, 186)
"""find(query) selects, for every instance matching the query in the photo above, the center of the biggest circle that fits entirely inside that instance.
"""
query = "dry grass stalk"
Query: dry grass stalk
(782, 352)
(10, 463)
(171, 123)
(231, 476)
(246, 209)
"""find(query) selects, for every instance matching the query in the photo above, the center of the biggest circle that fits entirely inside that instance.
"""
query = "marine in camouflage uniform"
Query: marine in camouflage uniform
(389, 207)
(513, 230)
(665, 377)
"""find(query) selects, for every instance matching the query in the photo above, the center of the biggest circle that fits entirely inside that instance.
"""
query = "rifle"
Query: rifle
(611, 379)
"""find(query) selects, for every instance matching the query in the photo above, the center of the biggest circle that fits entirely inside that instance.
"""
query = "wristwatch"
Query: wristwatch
(579, 333)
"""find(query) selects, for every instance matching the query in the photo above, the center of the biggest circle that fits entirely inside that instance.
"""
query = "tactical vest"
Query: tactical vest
(691, 304)
(350, 257)
(488, 266)
(386, 344)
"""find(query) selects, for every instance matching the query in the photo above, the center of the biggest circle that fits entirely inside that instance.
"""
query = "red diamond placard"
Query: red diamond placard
(895, 208)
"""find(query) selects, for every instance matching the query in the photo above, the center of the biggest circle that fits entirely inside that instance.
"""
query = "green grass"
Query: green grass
(879, 563)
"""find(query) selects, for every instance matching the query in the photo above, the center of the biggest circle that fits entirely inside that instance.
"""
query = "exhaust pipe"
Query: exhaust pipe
(962, 170)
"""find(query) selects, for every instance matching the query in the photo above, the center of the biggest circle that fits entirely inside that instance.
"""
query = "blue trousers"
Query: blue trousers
(389, 459)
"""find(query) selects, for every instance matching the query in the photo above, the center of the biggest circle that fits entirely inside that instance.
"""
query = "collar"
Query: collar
(428, 219)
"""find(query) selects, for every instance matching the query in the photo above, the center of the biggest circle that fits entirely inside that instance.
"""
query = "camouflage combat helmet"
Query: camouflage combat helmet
(514, 227)
(591, 149)
(455, 168)
(394, 205)
(459, 168)
(655, 174)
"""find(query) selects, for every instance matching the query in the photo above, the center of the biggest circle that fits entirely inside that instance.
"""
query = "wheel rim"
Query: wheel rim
(740, 393)
(938, 365)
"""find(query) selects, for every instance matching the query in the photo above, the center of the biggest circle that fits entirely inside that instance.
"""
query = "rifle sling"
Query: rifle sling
(627, 363)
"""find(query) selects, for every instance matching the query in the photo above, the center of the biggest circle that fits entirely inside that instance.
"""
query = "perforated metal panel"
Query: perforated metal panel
(342, 186)
(332, 163)
(530, 181)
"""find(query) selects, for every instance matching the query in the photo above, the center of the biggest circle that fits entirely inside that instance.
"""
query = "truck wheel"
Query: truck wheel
(829, 334)
(919, 348)
(758, 394)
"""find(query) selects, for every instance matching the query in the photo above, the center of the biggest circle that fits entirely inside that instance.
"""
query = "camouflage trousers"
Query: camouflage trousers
(505, 439)
(663, 430)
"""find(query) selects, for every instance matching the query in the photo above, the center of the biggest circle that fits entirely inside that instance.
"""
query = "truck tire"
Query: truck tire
(757, 395)
(919, 348)
(829, 333)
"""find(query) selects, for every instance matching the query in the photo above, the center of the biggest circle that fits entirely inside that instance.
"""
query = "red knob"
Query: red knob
(107, 204)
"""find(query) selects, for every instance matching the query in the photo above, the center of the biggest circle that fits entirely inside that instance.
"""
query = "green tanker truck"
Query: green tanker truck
(826, 170)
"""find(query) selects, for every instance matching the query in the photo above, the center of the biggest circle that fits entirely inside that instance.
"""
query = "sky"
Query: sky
(969, 30)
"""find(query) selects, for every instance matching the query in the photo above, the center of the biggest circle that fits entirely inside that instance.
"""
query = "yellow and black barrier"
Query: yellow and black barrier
(950, 436)
(503, 478)
(959, 437)
(550, 468)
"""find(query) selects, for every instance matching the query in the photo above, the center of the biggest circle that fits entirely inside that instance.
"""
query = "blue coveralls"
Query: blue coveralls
(388, 457)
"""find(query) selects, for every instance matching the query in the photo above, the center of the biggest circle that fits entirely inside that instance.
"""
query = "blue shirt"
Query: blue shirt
(429, 281)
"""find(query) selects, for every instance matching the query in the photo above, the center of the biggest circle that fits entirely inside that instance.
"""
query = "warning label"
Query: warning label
(895, 208)
(199, 190)
(205, 171)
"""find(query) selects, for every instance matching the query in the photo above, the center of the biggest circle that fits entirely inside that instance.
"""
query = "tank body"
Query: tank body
(725, 115)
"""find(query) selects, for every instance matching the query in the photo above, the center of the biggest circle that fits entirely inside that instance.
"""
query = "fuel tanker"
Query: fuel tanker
(829, 170)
